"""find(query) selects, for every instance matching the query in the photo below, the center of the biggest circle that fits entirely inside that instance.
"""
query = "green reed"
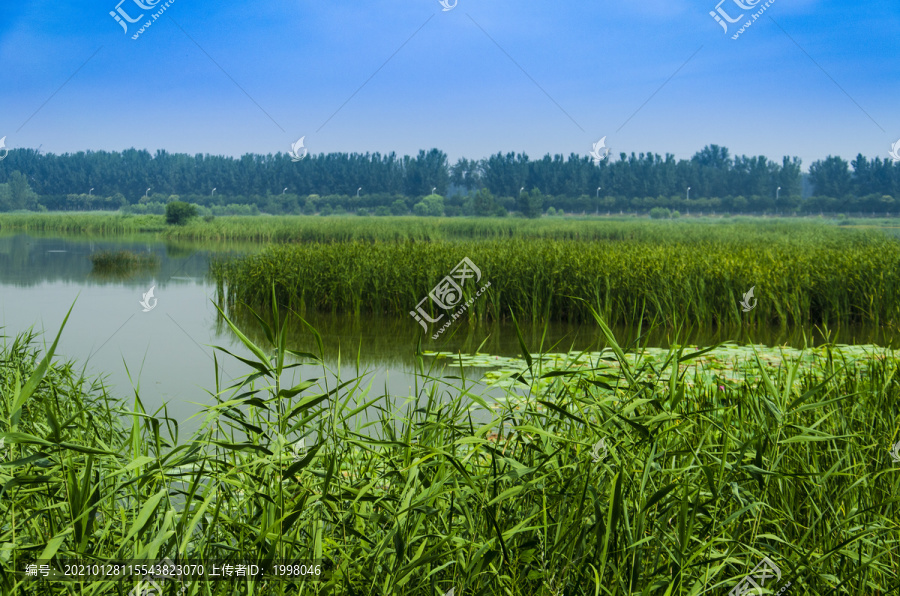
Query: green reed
(800, 274)
(97, 224)
(123, 262)
(447, 487)
(304, 229)
(298, 228)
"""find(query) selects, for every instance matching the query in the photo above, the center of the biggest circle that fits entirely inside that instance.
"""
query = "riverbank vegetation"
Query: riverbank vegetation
(92, 224)
(697, 479)
(285, 229)
(668, 272)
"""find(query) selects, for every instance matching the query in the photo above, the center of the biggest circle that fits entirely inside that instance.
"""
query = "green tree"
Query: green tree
(311, 204)
(466, 174)
(430, 206)
(18, 194)
(831, 177)
(484, 204)
(178, 212)
(531, 204)
(399, 207)
(426, 171)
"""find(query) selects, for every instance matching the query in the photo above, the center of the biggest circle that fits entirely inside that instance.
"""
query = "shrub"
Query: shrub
(430, 206)
(399, 207)
(483, 204)
(382, 211)
(178, 212)
(529, 204)
(660, 213)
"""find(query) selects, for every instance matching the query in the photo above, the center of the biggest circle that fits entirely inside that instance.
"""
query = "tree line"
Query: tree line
(710, 180)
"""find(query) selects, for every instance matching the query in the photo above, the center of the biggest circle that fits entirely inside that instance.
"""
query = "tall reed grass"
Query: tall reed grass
(92, 223)
(123, 262)
(305, 229)
(801, 276)
(416, 495)
(301, 229)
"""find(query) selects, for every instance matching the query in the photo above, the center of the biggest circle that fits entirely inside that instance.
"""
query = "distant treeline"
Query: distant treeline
(139, 181)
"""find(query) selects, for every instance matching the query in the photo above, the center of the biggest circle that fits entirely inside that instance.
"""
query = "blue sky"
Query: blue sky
(809, 78)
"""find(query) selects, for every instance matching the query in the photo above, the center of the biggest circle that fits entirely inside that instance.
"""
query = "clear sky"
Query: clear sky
(809, 78)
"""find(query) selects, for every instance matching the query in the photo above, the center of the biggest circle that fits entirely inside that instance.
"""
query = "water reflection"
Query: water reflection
(27, 260)
(393, 341)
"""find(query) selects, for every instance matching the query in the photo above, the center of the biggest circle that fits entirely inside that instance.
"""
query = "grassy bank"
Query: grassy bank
(802, 274)
(406, 495)
(86, 223)
(298, 229)
(303, 229)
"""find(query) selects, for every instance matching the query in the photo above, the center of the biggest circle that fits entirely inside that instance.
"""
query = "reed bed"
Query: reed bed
(123, 262)
(801, 276)
(92, 223)
(445, 488)
(306, 229)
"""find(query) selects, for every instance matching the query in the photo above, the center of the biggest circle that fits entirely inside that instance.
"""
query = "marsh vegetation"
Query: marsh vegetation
(485, 475)
(666, 272)
(123, 262)
(697, 482)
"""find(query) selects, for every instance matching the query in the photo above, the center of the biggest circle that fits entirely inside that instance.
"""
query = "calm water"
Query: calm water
(167, 351)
